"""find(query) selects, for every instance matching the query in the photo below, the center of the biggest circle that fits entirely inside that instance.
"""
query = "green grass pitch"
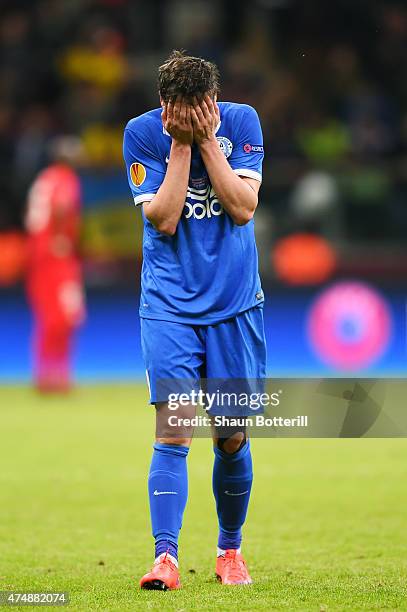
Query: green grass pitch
(327, 525)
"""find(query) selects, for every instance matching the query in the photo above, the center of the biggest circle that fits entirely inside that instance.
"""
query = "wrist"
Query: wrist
(181, 147)
(208, 143)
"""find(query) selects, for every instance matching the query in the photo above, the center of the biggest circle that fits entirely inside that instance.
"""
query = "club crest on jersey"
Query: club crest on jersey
(137, 174)
(225, 145)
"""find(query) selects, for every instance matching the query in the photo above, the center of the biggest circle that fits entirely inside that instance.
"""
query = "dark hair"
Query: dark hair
(187, 76)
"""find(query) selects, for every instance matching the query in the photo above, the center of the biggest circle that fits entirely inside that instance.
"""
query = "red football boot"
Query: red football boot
(231, 568)
(164, 575)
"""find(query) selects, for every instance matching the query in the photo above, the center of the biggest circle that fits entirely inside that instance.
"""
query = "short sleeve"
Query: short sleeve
(247, 155)
(145, 170)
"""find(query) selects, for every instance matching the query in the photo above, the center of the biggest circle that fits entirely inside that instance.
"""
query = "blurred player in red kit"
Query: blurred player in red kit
(54, 276)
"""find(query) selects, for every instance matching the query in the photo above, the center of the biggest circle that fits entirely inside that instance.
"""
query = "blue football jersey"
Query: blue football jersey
(208, 271)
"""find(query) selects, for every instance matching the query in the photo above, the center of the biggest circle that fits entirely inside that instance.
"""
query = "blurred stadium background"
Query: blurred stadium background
(327, 81)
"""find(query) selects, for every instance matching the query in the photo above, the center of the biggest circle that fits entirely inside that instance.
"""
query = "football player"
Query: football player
(54, 275)
(194, 168)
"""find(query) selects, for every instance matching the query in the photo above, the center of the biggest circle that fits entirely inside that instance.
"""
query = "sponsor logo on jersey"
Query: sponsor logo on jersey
(249, 148)
(137, 174)
(202, 203)
(225, 145)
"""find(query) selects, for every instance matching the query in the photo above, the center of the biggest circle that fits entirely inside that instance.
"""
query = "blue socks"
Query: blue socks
(232, 483)
(168, 492)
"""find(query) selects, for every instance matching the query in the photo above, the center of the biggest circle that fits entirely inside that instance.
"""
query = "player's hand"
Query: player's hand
(176, 118)
(205, 119)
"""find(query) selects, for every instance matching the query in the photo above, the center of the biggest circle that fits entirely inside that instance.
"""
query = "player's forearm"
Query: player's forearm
(236, 196)
(165, 209)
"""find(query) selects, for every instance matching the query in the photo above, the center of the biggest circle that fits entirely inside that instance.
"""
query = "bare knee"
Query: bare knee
(174, 427)
(232, 444)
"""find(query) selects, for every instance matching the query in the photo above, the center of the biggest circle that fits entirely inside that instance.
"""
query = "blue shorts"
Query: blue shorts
(232, 349)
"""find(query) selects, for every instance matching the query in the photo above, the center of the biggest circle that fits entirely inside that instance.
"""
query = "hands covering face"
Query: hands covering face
(176, 118)
(187, 122)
